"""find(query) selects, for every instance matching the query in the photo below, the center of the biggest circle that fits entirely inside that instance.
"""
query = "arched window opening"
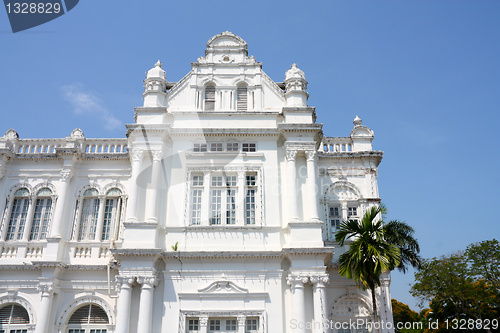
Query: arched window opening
(14, 319)
(18, 215)
(241, 98)
(111, 212)
(42, 215)
(343, 203)
(209, 98)
(90, 212)
(89, 318)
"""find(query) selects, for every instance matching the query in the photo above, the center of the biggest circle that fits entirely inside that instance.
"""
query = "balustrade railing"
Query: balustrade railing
(336, 145)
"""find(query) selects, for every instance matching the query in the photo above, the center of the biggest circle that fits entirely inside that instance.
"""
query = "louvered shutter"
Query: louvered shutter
(209, 98)
(14, 314)
(89, 314)
(241, 99)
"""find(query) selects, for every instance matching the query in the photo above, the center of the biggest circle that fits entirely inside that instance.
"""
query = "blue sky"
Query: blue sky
(424, 75)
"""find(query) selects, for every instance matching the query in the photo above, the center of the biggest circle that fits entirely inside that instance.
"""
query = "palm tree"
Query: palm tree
(375, 248)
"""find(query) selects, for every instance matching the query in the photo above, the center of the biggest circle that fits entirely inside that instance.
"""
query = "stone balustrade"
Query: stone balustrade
(336, 145)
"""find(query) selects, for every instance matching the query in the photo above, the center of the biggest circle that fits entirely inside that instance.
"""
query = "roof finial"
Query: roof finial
(158, 64)
(357, 121)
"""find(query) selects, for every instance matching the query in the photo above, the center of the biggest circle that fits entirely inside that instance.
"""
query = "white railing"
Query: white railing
(336, 145)
(105, 146)
(38, 146)
(87, 146)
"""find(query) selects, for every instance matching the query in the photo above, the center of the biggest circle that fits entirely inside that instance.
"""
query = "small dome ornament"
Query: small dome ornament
(357, 121)
(156, 72)
(294, 73)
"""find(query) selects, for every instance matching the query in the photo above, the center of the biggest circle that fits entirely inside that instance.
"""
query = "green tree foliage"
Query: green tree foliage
(463, 285)
(402, 314)
(375, 248)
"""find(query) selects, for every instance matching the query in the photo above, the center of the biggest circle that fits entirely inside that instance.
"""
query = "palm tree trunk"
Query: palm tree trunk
(374, 302)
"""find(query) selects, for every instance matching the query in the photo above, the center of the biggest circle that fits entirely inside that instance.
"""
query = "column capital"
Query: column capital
(295, 280)
(291, 154)
(47, 288)
(157, 155)
(124, 282)
(320, 280)
(66, 175)
(311, 155)
(137, 155)
(147, 281)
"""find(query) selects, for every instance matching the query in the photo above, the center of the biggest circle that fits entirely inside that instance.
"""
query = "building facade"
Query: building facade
(215, 214)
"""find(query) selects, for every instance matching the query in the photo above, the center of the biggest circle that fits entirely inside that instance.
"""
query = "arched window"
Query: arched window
(90, 212)
(241, 98)
(343, 203)
(111, 212)
(89, 318)
(14, 319)
(99, 215)
(209, 97)
(18, 215)
(42, 215)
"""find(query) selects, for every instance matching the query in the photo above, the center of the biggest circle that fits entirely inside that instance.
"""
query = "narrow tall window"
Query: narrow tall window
(111, 212)
(231, 199)
(216, 200)
(196, 196)
(241, 98)
(18, 215)
(90, 212)
(209, 98)
(251, 193)
(42, 216)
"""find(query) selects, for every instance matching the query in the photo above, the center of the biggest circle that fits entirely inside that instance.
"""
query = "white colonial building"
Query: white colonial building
(215, 214)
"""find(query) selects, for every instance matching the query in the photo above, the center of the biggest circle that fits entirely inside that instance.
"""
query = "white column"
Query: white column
(298, 303)
(57, 221)
(240, 199)
(124, 302)
(242, 320)
(29, 218)
(203, 324)
(44, 308)
(320, 303)
(311, 185)
(100, 218)
(292, 184)
(137, 155)
(145, 322)
(152, 202)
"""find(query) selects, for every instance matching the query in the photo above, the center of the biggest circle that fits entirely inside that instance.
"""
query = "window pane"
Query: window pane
(231, 206)
(41, 218)
(232, 146)
(250, 206)
(88, 221)
(17, 219)
(216, 146)
(196, 206)
(248, 147)
(216, 206)
(110, 210)
(200, 147)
